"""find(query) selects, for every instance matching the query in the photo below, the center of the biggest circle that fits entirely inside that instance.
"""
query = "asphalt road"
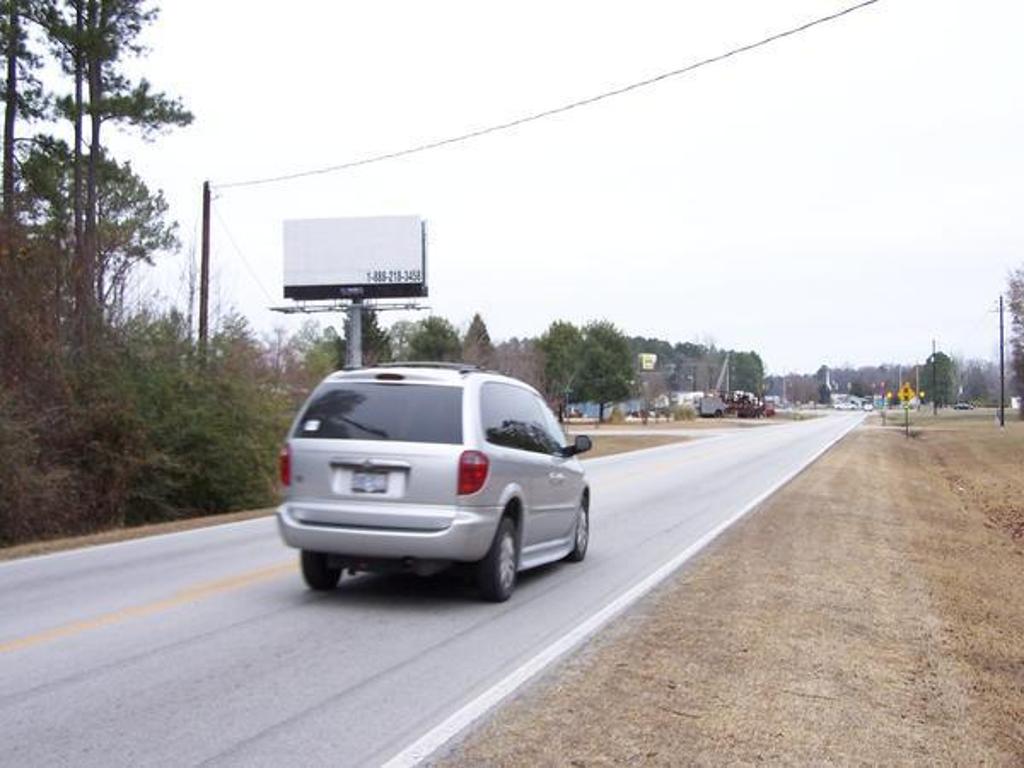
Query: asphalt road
(204, 646)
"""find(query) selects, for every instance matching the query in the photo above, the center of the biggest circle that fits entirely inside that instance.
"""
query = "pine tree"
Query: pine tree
(1016, 309)
(606, 366)
(435, 340)
(476, 345)
(23, 98)
(94, 39)
(562, 345)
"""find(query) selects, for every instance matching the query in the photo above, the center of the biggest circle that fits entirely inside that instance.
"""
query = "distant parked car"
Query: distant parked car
(962, 406)
(418, 466)
(869, 406)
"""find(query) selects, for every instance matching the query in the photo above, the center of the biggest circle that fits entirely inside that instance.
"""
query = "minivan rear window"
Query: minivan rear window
(416, 413)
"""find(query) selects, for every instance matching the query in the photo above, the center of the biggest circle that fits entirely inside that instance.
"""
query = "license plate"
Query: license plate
(369, 482)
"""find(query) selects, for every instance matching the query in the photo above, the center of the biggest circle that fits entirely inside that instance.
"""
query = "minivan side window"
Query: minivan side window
(512, 418)
(553, 428)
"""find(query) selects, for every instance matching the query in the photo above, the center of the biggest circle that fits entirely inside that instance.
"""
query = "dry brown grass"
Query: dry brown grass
(606, 445)
(591, 427)
(872, 612)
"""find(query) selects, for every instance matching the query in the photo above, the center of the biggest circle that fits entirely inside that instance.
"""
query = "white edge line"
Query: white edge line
(437, 737)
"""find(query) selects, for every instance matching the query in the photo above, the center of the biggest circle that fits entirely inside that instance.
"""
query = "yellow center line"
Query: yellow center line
(190, 595)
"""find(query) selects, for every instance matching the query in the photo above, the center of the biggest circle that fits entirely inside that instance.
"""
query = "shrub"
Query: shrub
(142, 432)
(210, 433)
(683, 412)
(36, 493)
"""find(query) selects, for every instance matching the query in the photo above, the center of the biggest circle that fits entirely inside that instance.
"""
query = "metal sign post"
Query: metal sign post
(906, 395)
(353, 310)
(354, 340)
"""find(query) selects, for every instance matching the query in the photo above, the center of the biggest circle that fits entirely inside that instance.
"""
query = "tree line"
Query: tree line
(595, 362)
(944, 379)
(91, 388)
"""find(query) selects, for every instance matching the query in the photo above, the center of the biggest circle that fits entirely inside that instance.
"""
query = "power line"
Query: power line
(245, 261)
(549, 112)
(965, 336)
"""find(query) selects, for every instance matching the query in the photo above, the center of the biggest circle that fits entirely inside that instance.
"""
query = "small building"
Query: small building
(687, 398)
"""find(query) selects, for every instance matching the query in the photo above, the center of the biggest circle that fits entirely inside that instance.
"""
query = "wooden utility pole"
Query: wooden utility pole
(10, 116)
(76, 185)
(935, 390)
(204, 275)
(1002, 369)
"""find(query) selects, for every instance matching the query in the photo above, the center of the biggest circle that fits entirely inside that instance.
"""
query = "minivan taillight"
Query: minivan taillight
(284, 465)
(473, 467)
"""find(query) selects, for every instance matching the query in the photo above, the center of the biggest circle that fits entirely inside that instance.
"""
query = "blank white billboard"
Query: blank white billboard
(373, 257)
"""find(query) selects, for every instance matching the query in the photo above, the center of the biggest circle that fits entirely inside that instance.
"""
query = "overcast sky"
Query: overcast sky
(841, 196)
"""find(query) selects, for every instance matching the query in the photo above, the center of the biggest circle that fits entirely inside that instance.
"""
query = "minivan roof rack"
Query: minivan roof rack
(460, 367)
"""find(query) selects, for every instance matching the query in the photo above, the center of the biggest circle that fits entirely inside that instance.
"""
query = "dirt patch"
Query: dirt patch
(869, 613)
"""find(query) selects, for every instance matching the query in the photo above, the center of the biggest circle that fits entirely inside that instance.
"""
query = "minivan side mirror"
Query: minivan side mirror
(581, 444)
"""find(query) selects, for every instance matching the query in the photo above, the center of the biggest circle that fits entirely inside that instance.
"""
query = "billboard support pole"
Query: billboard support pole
(354, 340)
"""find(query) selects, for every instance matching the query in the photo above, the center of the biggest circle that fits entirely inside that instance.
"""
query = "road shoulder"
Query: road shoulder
(867, 612)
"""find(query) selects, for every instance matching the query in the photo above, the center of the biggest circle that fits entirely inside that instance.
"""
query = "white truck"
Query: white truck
(711, 406)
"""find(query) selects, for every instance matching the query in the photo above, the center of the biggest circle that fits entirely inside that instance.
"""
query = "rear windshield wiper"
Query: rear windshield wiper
(368, 430)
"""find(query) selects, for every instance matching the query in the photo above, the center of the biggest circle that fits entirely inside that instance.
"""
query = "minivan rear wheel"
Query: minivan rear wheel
(317, 573)
(496, 573)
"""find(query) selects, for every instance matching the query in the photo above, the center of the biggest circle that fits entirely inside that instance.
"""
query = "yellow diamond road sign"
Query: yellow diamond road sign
(906, 393)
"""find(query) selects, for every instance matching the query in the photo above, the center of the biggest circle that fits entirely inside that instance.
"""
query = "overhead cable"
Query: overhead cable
(245, 261)
(548, 112)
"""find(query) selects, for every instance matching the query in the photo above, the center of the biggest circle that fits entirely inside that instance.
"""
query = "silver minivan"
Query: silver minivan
(419, 466)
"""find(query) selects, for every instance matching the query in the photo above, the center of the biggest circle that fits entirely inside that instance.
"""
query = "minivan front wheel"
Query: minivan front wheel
(317, 573)
(496, 573)
(582, 536)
